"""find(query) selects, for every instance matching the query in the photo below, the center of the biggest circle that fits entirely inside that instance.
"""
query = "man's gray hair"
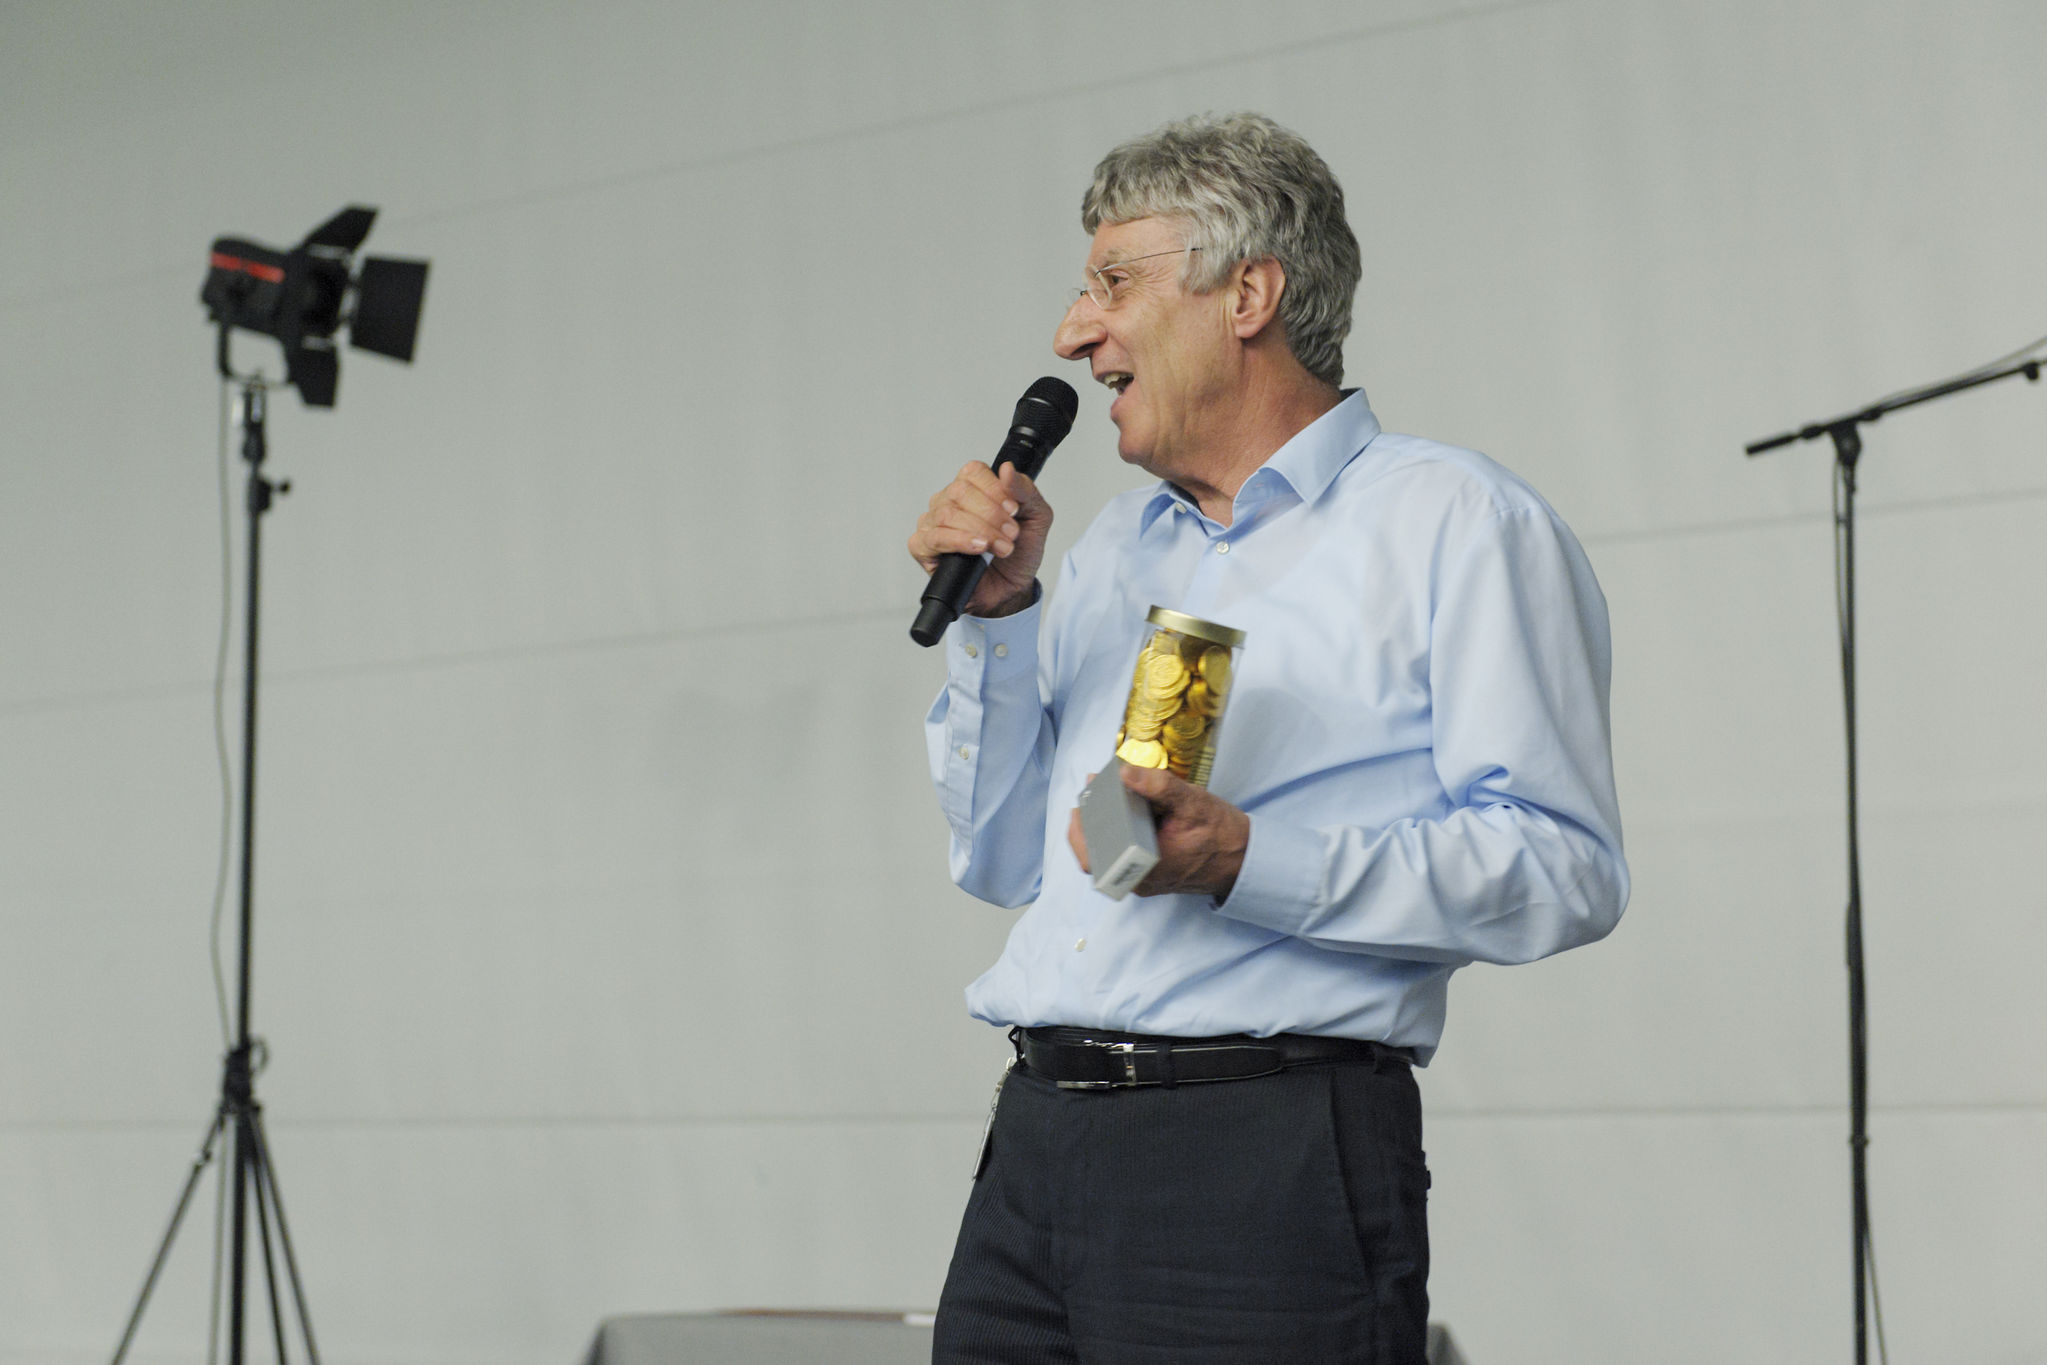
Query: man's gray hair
(1245, 189)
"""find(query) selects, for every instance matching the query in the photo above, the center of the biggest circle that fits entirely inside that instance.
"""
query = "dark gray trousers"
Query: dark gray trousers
(1255, 1222)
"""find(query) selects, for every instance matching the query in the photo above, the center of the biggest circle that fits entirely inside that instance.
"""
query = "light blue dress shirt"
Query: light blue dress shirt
(1418, 730)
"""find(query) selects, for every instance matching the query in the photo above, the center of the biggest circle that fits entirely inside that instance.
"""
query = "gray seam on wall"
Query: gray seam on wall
(723, 630)
(1879, 512)
(1438, 1113)
(124, 283)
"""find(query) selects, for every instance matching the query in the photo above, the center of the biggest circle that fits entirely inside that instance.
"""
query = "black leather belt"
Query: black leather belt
(1101, 1059)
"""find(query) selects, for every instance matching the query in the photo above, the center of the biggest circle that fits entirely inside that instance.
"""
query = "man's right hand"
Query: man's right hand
(983, 512)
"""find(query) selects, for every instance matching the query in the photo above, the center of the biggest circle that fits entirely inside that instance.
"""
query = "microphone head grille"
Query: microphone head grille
(1048, 405)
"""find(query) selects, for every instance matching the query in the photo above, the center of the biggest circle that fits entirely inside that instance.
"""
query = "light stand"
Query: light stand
(1846, 434)
(238, 1114)
(301, 297)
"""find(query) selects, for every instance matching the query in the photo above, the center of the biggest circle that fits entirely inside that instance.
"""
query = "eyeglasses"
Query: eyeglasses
(1104, 282)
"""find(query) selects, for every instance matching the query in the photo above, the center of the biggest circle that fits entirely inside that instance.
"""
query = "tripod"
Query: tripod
(239, 1117)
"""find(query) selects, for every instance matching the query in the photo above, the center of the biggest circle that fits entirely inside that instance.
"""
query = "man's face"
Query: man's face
(1165, 351)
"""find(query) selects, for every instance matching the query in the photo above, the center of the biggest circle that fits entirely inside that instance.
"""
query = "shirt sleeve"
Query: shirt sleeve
(989, 737)
(1527, 861)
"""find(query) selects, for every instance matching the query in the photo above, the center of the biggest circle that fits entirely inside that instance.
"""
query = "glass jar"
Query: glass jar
(1178, 693)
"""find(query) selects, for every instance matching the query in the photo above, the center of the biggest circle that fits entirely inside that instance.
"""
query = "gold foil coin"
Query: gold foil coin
(1142, 753)
(1215, 669)
(1165, 675)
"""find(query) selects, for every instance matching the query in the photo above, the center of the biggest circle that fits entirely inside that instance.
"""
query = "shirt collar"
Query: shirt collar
(1305, 466)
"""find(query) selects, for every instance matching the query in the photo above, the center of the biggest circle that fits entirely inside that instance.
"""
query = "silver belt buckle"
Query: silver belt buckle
(1128, 1052)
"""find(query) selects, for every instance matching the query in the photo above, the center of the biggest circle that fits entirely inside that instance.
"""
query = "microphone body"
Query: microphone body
(1043, 417)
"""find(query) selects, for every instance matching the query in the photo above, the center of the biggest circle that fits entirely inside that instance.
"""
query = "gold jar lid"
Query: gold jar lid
(1193, 625)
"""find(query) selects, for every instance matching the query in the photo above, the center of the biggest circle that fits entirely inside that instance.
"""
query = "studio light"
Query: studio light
(303, 296)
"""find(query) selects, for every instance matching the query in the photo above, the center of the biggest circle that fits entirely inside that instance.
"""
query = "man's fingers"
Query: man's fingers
(1077, 840)
(1202, 838)
(982, 487)
(989, 526)
(977, 502)
(932, 541)
(1017, 486)
(983, 512)
(986, 496)
(1023, 493)
(1156, 785)
(956, 529)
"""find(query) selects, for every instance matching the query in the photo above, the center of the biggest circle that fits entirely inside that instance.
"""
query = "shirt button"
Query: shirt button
(1081, 946)
(965, 752)
(1222, 547)
(973, 653)
(1002, 651)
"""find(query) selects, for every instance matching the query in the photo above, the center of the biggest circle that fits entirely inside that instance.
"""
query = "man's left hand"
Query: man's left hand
(1201, 837)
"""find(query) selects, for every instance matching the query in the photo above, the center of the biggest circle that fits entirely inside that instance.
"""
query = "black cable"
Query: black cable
(2009, 358)
(2027, 360)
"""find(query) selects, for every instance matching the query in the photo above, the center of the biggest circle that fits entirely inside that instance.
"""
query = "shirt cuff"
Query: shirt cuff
(995, 648)
(1281, 879)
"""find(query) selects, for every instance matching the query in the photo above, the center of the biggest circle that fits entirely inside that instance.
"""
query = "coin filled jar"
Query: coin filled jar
(1178, 693)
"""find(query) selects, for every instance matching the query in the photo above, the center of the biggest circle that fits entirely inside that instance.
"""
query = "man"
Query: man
(1210, 1149)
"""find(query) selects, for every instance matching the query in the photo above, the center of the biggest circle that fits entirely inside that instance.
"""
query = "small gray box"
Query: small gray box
(1122, 844)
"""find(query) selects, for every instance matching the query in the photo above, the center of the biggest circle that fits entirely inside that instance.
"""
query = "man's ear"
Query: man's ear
(1255, 287)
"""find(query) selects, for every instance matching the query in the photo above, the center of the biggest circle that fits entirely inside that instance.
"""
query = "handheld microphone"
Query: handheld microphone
(1043, 417)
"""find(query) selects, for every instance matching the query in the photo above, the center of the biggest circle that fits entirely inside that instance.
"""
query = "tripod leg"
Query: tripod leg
(163, 1250)
(238, 1232)
(219, 1300)
(269, 1186)
(260, 1192)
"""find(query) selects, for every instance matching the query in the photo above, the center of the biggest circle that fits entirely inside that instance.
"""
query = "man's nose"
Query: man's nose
(1079, 330)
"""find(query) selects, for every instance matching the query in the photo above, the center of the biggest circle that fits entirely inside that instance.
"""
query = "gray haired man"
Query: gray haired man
(1210, 1149)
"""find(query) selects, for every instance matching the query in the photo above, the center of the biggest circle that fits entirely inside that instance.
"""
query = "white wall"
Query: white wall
(604, 944)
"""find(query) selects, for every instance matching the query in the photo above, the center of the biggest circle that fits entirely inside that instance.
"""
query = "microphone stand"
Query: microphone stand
(1846, 434)
(238, 1114)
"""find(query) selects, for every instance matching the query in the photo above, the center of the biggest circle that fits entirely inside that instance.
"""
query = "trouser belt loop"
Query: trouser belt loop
(1167, 1078)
